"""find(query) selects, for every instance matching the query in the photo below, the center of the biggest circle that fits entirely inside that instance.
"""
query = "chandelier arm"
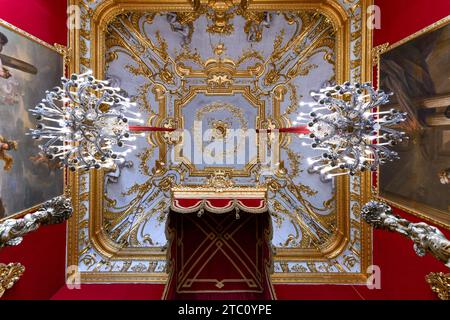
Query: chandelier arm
(348, 132)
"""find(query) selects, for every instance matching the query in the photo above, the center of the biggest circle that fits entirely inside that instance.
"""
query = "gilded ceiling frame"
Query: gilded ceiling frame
(246, 93)
(339, 17)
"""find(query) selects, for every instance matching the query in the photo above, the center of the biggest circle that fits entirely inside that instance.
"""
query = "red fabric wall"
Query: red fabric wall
(43, 255)
(402, 271)
(112, 292)
(401, 18)
(43, 252)
(45, 19)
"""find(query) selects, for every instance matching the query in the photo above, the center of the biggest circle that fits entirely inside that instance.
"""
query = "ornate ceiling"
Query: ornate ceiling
(218, 65)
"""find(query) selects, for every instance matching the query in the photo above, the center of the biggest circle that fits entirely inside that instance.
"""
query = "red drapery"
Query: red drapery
(216, 256)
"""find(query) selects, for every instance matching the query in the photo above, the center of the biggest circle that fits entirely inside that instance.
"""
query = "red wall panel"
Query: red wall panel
(112, 292)
(45, 19)
(43, 255)
(43, 252)
(402, 271)
(401, 18)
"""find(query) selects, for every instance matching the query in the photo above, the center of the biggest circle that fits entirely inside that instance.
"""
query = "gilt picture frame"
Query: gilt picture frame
(414, 183)
(28, 67)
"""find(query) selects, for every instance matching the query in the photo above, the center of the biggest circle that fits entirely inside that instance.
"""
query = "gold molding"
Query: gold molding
(27, 35)
(102, 15)
(366, 177)
(115, 277)
(336, 244)
(65, 52)
(99, 238)
(377, 51)
(213, 193)
(331, 248)
(331, 8)
(440, 284)
(432, 27)
(9, 275)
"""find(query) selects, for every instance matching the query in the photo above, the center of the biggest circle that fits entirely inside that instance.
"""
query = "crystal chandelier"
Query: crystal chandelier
(352, 136)
(82, 121)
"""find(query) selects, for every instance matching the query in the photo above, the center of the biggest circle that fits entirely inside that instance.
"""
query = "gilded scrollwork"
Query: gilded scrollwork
(10, 274)
(440, 284)
(314, 34)
(157, 55)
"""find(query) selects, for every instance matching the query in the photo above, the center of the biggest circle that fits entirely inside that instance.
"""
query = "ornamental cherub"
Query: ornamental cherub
(5, 146)
(444, 176)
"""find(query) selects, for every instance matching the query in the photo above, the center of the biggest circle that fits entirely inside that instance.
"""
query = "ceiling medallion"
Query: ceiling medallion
(220, 129)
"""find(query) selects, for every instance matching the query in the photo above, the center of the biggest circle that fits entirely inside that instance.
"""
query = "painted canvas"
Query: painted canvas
(28, 67)
(418, 73)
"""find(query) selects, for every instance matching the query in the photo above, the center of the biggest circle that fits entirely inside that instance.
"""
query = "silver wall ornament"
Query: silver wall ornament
(426, 238)
(83, 121)
(54, 211)
(352, 136)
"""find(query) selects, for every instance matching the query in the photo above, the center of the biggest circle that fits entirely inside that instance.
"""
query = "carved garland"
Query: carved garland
(9, 275)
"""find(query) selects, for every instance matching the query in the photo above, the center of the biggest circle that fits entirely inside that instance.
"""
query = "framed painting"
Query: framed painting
(417, 71)
(28, 67)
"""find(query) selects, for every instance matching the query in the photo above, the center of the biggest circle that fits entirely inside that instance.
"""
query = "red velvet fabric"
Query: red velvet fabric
(111, 292)
(219, 204)
(402, 271)
(218, 257)
(43, 255)
(45, 19)
(401, 18)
